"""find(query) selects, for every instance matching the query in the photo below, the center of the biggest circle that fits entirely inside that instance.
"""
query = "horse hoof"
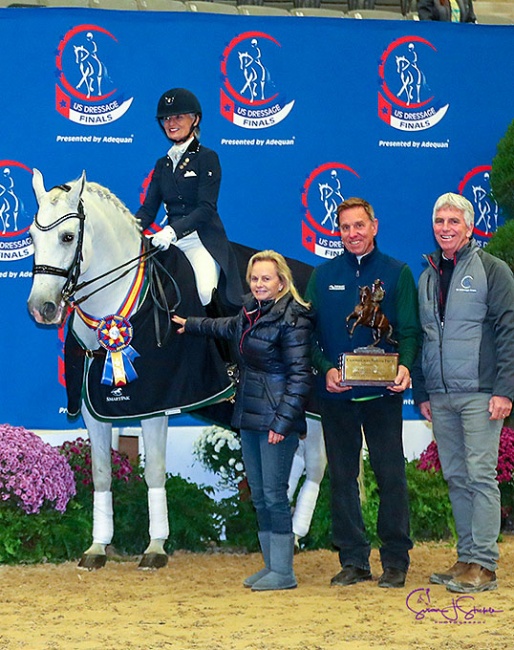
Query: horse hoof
(153, 561)
(91, 561)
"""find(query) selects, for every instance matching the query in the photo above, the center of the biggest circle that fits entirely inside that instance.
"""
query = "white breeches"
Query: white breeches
(205, 267)
(310, 457)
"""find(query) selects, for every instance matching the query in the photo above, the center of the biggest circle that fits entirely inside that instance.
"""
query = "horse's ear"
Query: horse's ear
(73, 197)
(38, 185)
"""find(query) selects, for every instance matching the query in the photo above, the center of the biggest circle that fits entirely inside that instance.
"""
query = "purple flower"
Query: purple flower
(78, 454)
(32, 472)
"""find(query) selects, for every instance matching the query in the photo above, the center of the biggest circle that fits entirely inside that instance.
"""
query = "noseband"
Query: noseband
(73, 273)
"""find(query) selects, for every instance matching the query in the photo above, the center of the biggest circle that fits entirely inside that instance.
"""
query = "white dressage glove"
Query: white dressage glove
(164, 238)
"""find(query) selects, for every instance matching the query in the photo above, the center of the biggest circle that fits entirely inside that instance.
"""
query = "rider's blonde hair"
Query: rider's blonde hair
(283, 271)
(355, 202)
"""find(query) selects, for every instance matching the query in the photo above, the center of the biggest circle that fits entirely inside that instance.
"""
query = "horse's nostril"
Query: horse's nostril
(49, 310)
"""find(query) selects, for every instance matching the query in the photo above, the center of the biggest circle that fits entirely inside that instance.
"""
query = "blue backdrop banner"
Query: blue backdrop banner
(303, 113)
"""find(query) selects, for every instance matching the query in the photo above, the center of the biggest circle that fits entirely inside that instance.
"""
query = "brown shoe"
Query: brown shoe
(453, 572)
(476, 578)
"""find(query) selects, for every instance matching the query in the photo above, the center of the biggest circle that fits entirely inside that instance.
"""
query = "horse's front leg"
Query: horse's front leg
(155, 434)
(348, 319)
(100, 435)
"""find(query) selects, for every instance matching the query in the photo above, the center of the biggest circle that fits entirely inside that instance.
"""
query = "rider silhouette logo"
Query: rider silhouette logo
(16, 209)
(405, 100)
(324, 189)
(85, 92)
(475, 186)
(250, 97)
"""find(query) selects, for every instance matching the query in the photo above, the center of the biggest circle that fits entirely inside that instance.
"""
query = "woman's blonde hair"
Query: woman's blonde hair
(283, 272)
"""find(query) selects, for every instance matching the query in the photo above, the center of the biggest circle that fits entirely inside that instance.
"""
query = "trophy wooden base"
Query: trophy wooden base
(368, 367)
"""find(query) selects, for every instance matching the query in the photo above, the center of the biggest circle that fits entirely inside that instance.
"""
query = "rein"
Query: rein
(155, 272)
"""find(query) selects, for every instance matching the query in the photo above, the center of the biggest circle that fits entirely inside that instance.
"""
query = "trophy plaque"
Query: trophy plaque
(369, 366)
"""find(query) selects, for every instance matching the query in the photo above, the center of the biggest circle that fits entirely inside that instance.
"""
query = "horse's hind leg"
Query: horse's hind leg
(155, 433)
(100, 435)
(315, 460)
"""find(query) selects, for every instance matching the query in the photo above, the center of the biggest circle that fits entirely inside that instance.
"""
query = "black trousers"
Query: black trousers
(380, 419)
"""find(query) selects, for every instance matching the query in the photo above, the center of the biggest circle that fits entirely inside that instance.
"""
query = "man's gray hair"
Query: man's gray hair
(457, 201)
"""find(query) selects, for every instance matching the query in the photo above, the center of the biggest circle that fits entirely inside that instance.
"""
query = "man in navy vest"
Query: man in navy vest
(347, 412)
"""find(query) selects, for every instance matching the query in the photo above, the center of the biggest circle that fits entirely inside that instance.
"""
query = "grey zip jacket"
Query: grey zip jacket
(473, 351)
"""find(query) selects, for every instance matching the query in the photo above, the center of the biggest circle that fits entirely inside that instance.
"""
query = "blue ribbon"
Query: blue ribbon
(129, 355)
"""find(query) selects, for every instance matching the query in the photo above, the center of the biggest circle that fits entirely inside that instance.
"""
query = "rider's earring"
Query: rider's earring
(280, 287)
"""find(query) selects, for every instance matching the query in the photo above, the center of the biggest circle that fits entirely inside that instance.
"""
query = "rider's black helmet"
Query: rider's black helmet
(178, 101)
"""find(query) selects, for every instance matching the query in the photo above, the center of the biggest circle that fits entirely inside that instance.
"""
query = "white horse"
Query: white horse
(328, 198)
(411, 77)
(83, 235)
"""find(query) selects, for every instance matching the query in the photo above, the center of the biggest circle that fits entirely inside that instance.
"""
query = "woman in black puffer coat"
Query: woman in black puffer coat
(272, 333)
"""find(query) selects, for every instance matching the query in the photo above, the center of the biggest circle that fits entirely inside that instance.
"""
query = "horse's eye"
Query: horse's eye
(67, 237)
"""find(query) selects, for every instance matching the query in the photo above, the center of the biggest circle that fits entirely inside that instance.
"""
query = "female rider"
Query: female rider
(187, 179)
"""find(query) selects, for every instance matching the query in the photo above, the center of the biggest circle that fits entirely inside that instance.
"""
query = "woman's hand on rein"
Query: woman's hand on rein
(179, 321)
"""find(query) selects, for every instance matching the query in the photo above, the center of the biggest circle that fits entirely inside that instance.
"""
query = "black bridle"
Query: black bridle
(72, 274)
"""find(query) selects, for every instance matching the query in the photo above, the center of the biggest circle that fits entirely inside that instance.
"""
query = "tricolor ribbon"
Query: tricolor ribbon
(114, 334)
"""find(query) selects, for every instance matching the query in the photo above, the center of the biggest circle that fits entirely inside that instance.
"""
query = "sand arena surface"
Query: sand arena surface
(198, 602)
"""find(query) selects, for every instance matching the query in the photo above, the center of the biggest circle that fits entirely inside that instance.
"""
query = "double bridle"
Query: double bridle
(72, 274)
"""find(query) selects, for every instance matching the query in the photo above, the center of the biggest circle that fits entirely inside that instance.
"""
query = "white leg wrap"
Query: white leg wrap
(158, 510)
(103, 526)
(297, 469)
(304, 508)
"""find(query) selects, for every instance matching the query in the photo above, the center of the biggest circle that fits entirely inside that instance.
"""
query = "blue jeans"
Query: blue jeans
(381, 421)
(267, 469)
(468, 443)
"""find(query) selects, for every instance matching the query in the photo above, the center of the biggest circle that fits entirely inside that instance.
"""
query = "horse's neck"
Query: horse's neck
(114, 242)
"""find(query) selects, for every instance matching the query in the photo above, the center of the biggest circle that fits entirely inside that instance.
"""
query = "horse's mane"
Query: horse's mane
(99, 192)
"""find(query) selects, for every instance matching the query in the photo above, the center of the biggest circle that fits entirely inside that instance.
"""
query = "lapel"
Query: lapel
(187, 161)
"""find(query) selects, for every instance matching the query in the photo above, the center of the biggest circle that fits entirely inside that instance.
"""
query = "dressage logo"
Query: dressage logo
(322, 192)
(475, 186)
(405, 99)
(85, 91)
(250, 97)
(16, 209)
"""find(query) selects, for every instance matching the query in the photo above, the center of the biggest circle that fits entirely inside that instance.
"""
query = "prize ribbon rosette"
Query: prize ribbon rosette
(114, 334)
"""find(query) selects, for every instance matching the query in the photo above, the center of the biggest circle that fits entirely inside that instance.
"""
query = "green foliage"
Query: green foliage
(501, 243)
(46, 536)
(197, 520)
(194, 515)
(502, 173)
(240, 522)
(430, 509)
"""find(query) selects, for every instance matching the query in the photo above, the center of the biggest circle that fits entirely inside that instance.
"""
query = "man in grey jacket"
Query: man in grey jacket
(465, 385)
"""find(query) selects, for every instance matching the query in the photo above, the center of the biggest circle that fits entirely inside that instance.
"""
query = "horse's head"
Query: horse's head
(324, 190)
(401, 63)
(57, 233)
(80, 53)
(365, 294)
(244, 59)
